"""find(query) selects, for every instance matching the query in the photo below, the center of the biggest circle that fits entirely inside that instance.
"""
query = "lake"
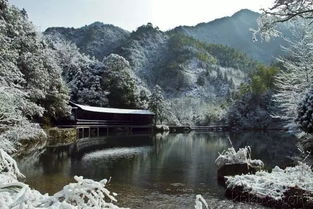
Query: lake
(162, 171)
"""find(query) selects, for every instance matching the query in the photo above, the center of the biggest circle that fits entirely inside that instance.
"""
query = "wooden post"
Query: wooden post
(98, 132)
(83, 132)
(107, 131)
(89, 132)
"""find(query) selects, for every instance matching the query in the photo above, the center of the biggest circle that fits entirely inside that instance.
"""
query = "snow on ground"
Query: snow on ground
(274, 184)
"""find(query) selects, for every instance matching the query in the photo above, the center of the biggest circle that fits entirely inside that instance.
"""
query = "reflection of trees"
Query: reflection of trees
(47, 172)
(274, 148)
(183, 158)
(44, 163)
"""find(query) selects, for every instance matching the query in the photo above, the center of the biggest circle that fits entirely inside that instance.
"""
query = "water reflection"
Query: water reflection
(163, 170)
(273, 148)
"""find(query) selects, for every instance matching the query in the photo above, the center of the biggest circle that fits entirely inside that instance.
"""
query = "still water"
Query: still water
(163, 171)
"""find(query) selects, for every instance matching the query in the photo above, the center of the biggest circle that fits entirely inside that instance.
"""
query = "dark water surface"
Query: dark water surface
(163, 171)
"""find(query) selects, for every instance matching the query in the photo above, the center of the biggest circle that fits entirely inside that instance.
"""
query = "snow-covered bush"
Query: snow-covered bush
(230, 156)
(14, 124)
(87, 193)
(83, 194)
(274, 184)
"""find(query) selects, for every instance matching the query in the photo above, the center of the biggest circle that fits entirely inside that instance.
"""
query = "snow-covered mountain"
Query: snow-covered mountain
(96, 39)
(100, 39)
(186, 69)
(181, 65)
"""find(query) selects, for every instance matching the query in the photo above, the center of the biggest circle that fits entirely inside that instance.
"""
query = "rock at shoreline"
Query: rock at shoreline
(231, 163)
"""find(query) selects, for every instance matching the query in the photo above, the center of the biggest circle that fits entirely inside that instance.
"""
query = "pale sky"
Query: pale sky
(130, 14)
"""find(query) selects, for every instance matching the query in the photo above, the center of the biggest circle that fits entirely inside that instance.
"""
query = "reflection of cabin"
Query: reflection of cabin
(99, 121)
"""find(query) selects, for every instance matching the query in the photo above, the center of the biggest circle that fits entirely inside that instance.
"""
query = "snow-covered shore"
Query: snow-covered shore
(282, 188)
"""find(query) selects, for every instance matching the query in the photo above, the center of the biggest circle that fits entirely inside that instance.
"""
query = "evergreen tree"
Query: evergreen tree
(31, 86)
(157, 104)
(119, 81)
(305, 113)
(294, 82)
(82, 74)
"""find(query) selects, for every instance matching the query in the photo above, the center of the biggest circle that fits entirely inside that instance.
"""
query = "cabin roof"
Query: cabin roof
(112, 110)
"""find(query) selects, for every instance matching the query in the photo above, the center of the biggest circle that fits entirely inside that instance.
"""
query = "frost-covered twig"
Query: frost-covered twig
(282, 11)
(8, 165)
(200, 201)
(243, 155)
(87, 193)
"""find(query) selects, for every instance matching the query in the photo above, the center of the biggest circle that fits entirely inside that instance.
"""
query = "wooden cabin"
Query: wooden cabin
(90, 119)
(110, 116)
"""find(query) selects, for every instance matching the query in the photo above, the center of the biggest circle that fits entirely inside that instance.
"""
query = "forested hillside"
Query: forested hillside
(97, 39)
(188, 71)
(104, 65)
(234, 31)
(32, 89)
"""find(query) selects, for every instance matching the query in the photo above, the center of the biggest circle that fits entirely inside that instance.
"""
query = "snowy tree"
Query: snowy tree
(31, 86)
(81, 73)
(283, 11)
(157, 104)
(293, 82)
(27, 64)
(14, 125)
(119, 80)
(305, 113)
